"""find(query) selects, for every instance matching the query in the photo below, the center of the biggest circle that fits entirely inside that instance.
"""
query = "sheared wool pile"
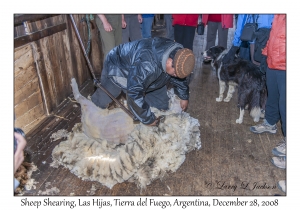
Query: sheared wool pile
(23, 175)
(144, 154)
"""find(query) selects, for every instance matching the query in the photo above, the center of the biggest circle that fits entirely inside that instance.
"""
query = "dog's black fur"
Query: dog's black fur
(246, 76)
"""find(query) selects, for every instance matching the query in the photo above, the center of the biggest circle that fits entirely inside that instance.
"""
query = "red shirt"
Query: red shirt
(215, 18)
(185, 19)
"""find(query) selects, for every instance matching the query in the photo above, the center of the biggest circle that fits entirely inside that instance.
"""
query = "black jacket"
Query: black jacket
(140, 67)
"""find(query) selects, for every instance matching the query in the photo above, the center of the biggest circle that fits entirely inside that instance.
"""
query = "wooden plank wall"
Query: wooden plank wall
(44, 68)
(29, 109)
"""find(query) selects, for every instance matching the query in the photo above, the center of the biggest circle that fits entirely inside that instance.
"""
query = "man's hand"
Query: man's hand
(263, 64)
(140, 19)
(230, 54)
(107, 27)
(184, 104)
(19, 154)
(124, 24)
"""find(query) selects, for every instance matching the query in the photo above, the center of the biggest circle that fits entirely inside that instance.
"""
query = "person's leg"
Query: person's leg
(272, 114)
(280, 150)
(189, 34)
(158, 98)
(100, 98)
(178, 34)
(222, 36)
(125, 31)
(212, 28)
(281, 80)
(117, 26)
(272, 106)
(134, 28)
(107, 38)
(146, 27)
(169, 27)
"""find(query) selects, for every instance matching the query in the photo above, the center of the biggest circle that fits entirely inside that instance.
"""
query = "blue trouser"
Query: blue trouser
(146, 27)
(276, 101)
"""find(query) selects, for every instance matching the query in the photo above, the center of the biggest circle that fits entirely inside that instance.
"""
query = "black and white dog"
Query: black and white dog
(251, 83)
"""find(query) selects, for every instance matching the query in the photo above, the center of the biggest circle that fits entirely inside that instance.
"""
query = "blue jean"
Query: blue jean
(276, 101)
(146, 27)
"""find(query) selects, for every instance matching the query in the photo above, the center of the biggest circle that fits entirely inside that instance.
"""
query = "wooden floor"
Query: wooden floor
(232, 160)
